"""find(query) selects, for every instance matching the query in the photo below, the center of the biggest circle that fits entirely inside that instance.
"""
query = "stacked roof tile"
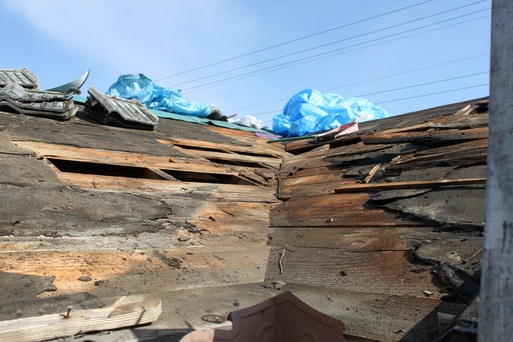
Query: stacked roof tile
(15, 98)
(23, 77)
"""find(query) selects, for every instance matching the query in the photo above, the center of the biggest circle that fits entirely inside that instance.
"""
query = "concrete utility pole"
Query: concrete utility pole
(496, 313)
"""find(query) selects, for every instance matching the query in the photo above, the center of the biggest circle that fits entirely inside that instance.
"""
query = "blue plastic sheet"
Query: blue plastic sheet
(154, 96)
(311, 111)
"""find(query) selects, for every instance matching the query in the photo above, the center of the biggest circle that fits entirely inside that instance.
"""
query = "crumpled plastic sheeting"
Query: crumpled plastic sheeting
(311, 111)
(250, 121)
(154, 96)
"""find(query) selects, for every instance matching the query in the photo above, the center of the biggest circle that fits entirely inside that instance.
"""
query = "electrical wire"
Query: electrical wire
(325, 54)
(426, 83)
(327, 44)
(423, 95)
(362, 82)
(435, 93)
(294, 40)
(396, 89)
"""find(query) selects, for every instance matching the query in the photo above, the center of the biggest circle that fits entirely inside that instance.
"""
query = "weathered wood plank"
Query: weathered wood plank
(325, 158)
(90, 155)
(315, 189)
(249, 138)
(126, 312)
(389, 272)
(247, 149)
(477, 144)
(427, 136)
(233, 157)
(300, 146)
(319, 205)
(255, 174)
(378, 317)
(409, 185)
(323, 175)
(140, 271)
(363, 218)
(462, 121)
(229, 192)
(351, 239)
(314, 171)
(425, 161)
(343, 210)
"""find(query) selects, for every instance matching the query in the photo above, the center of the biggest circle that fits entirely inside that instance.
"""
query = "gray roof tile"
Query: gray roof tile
(14, 97)
(108, 109)
(23, 77)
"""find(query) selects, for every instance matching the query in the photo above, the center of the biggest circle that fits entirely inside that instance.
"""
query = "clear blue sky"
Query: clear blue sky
(272, 48)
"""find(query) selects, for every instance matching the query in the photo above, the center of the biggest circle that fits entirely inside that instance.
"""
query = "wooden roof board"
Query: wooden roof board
(359, 244)
(428, 184)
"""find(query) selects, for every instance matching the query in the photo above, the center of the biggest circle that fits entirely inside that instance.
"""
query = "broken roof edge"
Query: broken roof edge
(298, 146)
(189, 118)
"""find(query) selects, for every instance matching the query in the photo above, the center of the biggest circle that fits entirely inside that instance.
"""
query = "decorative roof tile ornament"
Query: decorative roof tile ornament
(281, 318)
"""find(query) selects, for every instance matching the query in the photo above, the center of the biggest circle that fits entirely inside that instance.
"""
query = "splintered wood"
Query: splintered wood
(337, 202)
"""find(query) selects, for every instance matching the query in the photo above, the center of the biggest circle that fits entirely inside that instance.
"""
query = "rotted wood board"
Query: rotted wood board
(388, 272)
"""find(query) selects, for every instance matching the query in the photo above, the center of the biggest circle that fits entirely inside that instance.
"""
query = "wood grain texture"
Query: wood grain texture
(389, 272)
(427, 136)
(339, 210)
(126, 312)
(349, 239)
(140, 271)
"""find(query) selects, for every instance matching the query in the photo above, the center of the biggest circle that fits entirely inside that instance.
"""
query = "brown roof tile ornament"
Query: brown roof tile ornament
(278, 319)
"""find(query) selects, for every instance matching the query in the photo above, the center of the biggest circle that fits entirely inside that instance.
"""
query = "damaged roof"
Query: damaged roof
(379, 229)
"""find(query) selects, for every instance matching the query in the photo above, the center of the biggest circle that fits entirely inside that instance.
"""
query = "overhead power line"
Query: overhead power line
(425, 95)
(435, 93)
(396, 89)
(294, 40)
(363, 82)
(424, 84)
(327, 44)
(331, 53)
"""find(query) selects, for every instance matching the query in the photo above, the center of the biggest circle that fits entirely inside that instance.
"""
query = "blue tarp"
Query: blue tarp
(154, 96)
(311, 111)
